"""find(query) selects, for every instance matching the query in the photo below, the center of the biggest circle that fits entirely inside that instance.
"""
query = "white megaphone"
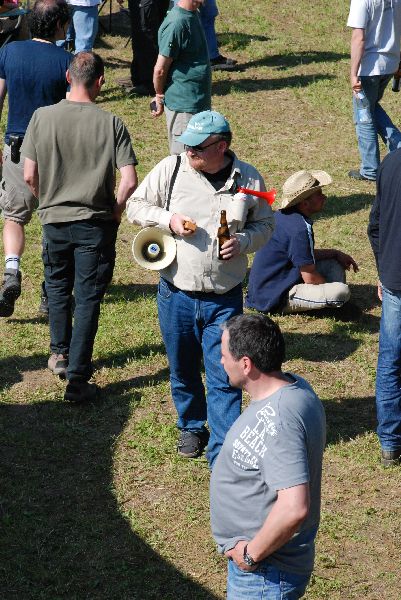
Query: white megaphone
(154, 249)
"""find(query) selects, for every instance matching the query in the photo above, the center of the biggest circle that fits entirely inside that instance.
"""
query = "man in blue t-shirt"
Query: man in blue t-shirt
(33, 73)
(288, 274)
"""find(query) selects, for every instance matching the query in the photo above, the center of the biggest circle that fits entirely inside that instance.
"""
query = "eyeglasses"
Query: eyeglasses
(200, 149)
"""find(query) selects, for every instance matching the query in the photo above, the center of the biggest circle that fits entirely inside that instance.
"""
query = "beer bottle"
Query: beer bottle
(223, 233)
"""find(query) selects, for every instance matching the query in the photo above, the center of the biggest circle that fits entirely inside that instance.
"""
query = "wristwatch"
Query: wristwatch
(248, 560)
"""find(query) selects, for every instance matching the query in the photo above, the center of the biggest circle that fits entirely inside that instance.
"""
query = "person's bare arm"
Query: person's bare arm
(31, 176)
(310, 274)
(287, 514)
(345, 260)
(357, 50)
(160, 73)
(128, 184)
(3, 93)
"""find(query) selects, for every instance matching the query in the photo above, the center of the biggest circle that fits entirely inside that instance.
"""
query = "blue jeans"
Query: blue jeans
(190, 323)
(379, 124)
(83, 27)
(266, 583)
(208, 13)
(78, 256)
(388, 380)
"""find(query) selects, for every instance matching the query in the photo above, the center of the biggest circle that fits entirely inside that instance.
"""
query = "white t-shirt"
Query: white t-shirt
(84, 3)
(381, 20)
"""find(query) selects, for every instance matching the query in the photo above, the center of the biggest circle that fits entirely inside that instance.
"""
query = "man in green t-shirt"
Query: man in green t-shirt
(71, 151)
(182, 74)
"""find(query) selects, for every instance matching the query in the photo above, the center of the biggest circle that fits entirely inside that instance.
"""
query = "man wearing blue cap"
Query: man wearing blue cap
(198, 292)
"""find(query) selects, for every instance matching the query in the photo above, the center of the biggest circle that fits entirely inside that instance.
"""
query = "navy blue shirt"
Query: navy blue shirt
(35, 77)
(276, 267)
(384, 223)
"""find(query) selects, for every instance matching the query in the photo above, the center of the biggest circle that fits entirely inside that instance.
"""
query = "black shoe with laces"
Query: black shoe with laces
(191, 444)
(10, 290)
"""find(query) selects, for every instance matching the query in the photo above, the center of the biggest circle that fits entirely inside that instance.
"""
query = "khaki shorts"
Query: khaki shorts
(176, 125)
(16, 200)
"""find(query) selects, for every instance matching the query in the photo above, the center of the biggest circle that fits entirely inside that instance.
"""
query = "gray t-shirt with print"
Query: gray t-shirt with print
(276, 443)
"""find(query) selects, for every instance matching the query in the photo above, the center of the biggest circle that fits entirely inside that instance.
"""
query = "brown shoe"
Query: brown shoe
(58, 364)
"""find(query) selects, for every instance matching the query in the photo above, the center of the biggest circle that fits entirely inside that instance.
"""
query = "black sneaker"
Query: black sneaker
(80, 391)
(391, 458)
(43, 309)
(10, 290)
(357, 175)
(191, 445)
(223, 63)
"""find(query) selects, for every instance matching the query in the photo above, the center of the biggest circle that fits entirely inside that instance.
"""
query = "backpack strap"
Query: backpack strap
(172, 181)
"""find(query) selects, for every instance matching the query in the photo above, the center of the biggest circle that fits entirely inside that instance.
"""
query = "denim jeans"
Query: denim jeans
(208, 13)
(388, 380)
(83, 27)
(266, 583)
(78, 256)
(380, 123)
(190, 323)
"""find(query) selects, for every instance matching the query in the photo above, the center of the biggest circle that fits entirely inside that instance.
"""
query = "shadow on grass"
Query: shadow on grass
(336, 206)
(240, 41)
(12, 368)
(120, 359)
(111, 95)
(129, 291)
(363, 298)
(63, 535)
(328, 347)
(346, 419)
(228, 86)
(290, 60)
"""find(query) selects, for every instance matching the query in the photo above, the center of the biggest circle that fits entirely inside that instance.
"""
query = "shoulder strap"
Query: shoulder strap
(172, 181)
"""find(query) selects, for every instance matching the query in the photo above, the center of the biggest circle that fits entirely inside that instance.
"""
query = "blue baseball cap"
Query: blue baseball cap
(202, 125)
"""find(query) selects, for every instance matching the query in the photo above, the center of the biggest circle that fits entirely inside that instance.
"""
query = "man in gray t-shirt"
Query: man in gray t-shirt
(265, 484)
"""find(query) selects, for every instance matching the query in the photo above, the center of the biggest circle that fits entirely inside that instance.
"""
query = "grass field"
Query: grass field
(94, 502)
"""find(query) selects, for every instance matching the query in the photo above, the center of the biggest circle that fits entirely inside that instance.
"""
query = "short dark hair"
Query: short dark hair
(46, 17)
(225, 136)
(85, 68)
(258, 337)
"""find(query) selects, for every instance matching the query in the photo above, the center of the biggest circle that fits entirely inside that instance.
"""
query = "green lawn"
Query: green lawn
(94, 502)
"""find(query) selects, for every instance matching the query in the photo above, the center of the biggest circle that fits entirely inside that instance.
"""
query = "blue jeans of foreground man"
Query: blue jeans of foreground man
(190, 323)
(266, 583)
(77, 256)
(388, 380)
(380, 123)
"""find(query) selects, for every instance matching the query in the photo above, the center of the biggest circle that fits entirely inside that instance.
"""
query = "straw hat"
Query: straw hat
(301, 185)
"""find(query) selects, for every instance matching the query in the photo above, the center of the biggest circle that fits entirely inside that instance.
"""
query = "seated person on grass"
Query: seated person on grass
(288, 273)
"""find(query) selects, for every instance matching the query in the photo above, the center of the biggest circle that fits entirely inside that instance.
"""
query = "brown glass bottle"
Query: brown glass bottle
(223, 233)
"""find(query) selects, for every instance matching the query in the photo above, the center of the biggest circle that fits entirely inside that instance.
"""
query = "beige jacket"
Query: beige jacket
(196, 266)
